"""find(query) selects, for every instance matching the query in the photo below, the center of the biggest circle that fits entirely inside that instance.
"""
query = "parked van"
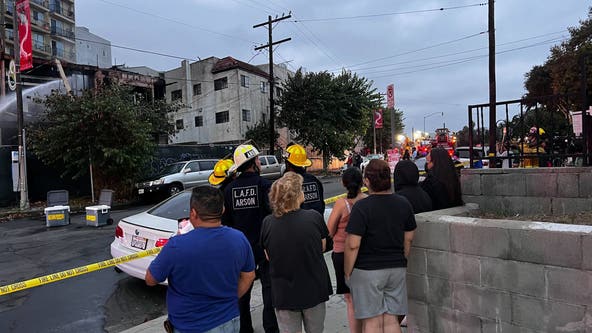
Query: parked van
(176, 177)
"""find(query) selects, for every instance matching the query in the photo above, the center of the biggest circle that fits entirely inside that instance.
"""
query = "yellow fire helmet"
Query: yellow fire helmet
(296, 155)
(220, 171)
(243, 154)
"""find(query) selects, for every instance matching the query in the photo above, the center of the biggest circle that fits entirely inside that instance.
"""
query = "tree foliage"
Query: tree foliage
(566, 66)
(111, 127)
(259, 133)
(383, 135)
(327, 111)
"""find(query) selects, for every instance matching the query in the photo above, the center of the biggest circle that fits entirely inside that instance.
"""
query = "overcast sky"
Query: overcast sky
(437, 59)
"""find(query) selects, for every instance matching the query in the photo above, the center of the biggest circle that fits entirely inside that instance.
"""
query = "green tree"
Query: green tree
(383, 135)
(563, 71)
(326, 111)
(259, 133)
(111, 127)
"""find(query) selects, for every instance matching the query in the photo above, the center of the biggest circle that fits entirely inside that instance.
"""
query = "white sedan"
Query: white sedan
(150, 229)
(147, 230)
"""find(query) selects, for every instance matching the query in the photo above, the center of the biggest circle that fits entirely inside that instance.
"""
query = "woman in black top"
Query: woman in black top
(294, 240)
(380, 231)
(441, 183)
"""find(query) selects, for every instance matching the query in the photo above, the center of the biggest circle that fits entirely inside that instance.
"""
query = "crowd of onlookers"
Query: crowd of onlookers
(249, 227)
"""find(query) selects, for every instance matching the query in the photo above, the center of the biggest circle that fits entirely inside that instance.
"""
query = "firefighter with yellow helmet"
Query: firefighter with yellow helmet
(246, 199)
(220, 176)
(297, 161)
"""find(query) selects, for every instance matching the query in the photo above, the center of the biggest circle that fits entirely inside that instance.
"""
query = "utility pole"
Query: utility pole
(492, 90)
(24, 202)
(270, 44)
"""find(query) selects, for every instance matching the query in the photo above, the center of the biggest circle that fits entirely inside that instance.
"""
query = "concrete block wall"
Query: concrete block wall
(477, 275)
(549, 191)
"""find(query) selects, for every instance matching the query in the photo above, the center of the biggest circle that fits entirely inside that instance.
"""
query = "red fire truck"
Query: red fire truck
(444, 140)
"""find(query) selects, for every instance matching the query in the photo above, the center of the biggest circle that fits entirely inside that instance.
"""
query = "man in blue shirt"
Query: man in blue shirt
(208, 269)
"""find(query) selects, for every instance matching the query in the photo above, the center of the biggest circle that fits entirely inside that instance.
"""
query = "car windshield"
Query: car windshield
(172, 168)
(174, 208)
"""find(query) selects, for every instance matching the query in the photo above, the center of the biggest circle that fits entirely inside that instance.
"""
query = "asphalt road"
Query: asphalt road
(102, 301)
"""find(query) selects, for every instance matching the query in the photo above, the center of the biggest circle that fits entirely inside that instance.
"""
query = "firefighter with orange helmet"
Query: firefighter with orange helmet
(297, 161)
(246, 200)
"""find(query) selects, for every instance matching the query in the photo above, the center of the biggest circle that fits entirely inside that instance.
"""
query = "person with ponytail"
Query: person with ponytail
(352, 181)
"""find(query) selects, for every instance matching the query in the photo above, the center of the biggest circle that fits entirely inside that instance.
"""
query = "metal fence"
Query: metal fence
(533, 133)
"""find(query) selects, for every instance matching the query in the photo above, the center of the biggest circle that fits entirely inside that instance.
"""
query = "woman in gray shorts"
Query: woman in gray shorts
(380, 231)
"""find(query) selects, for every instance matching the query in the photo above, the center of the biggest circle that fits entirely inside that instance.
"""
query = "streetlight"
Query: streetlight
(429, 115)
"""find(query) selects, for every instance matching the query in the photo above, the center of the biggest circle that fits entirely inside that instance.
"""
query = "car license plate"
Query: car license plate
(139, 242)
(141, 191)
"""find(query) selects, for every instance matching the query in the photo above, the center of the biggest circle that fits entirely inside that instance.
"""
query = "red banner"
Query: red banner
(390, 96)
(24, 28)
(378, 118)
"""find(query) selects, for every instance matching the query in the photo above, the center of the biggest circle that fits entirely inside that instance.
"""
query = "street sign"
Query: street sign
(390, 96)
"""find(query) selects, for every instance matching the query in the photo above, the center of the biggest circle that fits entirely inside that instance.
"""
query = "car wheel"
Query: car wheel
(174, 189)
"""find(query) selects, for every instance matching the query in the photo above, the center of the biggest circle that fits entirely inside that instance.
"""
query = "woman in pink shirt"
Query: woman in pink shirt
(352, 181)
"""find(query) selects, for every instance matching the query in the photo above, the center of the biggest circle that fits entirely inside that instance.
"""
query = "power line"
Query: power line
(390, 14)
(457, 53)
(135, 49)
(178, 22)
(461, 61)
(417, 50)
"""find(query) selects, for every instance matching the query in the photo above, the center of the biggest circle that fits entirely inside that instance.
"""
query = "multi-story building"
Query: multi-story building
(221, 98)
(92, 49)
(52, 25)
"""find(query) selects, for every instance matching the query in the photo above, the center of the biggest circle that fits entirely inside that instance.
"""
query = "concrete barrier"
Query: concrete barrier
(549, 191)
(476, 275)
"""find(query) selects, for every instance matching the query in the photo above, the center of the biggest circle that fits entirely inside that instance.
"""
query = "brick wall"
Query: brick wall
(549, 191)
(476, 275)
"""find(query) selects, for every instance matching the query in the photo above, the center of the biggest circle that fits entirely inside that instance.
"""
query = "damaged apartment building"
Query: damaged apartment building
(221, 98)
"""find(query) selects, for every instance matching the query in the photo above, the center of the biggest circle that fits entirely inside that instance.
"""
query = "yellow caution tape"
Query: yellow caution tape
(39, 281)
(333, 199)
(42, 280)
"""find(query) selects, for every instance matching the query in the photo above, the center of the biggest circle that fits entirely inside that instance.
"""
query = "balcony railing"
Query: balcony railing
(42, 47)
(61, 53)
(42, 3)
(40, 23)
(61, 11)
(62, 32)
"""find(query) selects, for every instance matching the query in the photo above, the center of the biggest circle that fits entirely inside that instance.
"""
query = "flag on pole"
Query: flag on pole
(378, 118)
(24, 28)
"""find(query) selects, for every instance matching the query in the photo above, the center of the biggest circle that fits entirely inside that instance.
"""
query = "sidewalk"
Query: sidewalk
(335, 320)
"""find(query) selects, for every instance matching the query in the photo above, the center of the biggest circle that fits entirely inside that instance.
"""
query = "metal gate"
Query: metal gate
(556, 143)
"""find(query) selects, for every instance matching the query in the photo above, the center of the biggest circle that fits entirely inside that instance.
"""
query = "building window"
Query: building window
(220, 84)
(197, 89)
(244, 81)
(179, 124)
(222, 117)
(247, 115)
(263, 87)
(176, 95)
(198, 121)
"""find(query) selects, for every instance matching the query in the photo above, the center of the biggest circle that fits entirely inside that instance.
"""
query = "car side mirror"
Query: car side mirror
(186, 170)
